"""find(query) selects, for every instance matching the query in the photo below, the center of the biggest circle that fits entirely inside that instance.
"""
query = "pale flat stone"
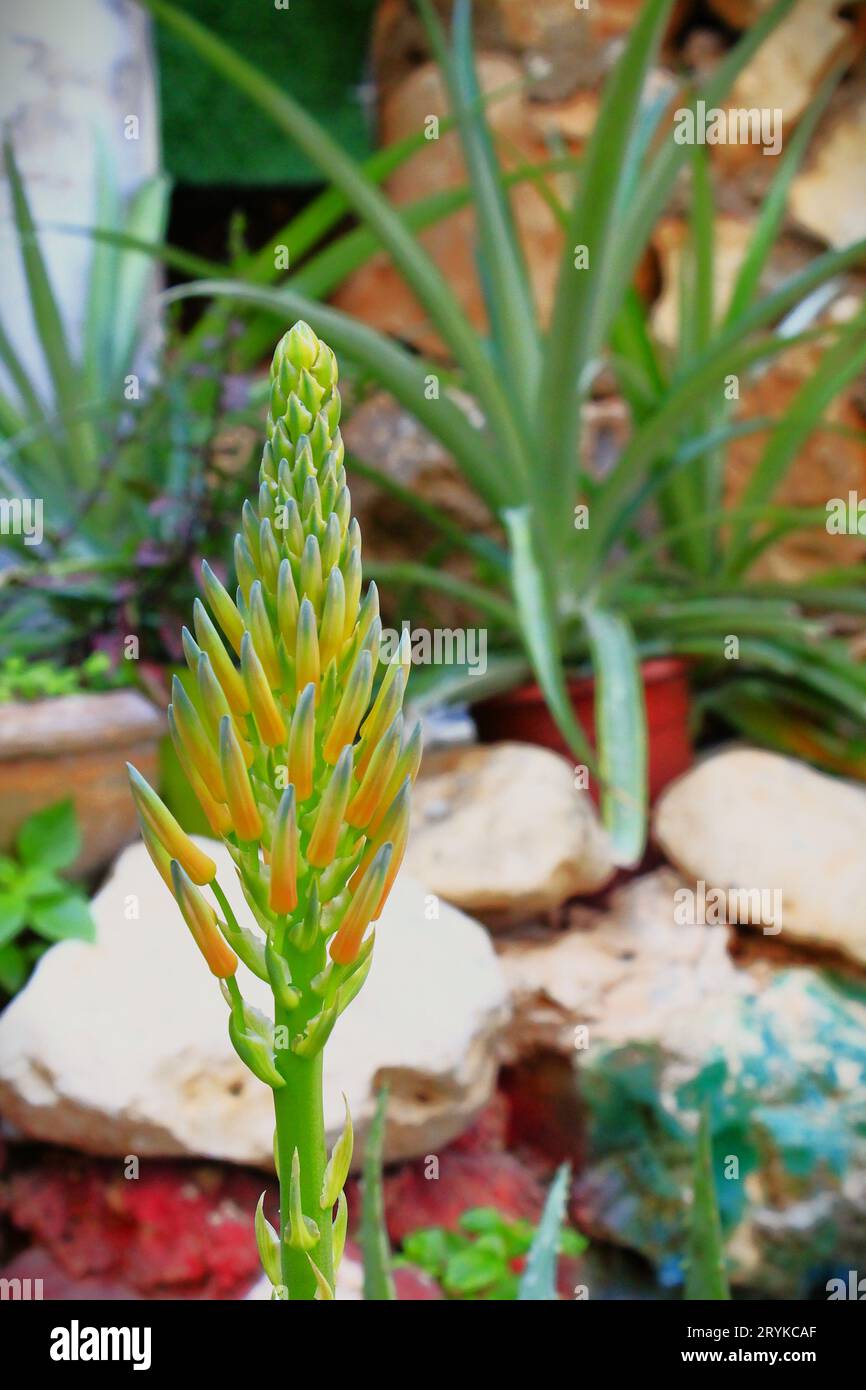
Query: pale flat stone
(826, 196)
(629, 973)
(122, 1047)
(747, 819)
(501, 831)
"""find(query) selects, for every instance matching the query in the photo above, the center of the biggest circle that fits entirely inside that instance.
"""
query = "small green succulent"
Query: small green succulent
(42, 680)
(34, 898)
(484, 1258)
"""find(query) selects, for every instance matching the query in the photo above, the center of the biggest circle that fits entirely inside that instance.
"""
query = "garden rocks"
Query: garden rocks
(788, 837)
(824, 194)
(122, 1047)
(502, 832)
(787, 1093)
(627, 973)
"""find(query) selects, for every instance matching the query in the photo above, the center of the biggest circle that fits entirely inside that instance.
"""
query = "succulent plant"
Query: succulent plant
(305, 775)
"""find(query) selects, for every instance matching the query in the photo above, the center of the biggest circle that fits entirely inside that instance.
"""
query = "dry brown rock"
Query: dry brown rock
(732, 236)
(789, 66)
(828, 465)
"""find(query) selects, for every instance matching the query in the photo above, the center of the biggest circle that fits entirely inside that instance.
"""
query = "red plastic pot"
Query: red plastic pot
(522, 716)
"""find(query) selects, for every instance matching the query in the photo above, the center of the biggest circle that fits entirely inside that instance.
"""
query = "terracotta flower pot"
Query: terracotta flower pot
(523, 716)
(77, 746)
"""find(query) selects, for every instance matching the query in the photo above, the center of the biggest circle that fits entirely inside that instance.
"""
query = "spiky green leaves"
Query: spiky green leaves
(337, 1170)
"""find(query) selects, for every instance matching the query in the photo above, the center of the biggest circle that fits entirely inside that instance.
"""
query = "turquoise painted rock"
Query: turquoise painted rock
(787, 1094)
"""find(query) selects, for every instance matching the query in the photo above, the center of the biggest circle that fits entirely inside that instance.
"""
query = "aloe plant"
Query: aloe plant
(305, 776)
(55, 439)
(600, 596)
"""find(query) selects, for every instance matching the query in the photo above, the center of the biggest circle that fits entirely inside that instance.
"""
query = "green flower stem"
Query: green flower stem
(301, 1125)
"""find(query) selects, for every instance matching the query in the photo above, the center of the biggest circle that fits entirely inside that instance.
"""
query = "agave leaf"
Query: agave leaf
(538, 1281)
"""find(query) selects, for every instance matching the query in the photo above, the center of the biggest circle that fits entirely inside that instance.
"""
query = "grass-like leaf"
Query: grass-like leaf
(706, 1277)
(538, 1281)
(375, 1247)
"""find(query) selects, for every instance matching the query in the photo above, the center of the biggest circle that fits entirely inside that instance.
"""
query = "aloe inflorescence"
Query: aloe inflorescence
(303, 768)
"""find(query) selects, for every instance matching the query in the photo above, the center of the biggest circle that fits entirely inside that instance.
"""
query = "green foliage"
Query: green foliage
(538, 1282)
(122, 466)
(705, 1275)
(46, 679)
(484, 1257)
(61, 438)
(34, 900)
(600, 597)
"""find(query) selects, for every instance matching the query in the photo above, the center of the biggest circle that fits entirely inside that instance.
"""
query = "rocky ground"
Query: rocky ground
(527, 1005)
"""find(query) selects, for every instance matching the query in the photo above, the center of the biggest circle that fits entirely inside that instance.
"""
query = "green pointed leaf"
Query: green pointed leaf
(620, 721)
(538, 629)
(62, 919)
(14, 967)
(302, 1232)
(338, 1164)
(538, 1281)
(375, 1247)
(324, 1292)
(574, 337)
(338, 1232)
(706, 1277)
(268, 1243)
(13, 914)
(51, 837)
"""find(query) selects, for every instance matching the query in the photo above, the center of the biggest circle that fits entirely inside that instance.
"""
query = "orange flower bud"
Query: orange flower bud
(311, 572)
(376, 778)
(193, 736)
(333, 618)
(384, 711)
(350, 711)
(287, 606)
(394, 824)
(245, 568)
(263, 641)
(239, 796)
(283, 893)
(201, 920)
(407, 765)
(329, 819)
(347, 942)
(216, 812)
(307, 662)
(270, 555)
(200, 867)
(224, 669)
(159, 855)
(301, 743)
(269, 720)
(352, 578)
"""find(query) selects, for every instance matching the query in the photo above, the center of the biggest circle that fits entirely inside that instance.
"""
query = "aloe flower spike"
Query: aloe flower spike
(313, 814)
